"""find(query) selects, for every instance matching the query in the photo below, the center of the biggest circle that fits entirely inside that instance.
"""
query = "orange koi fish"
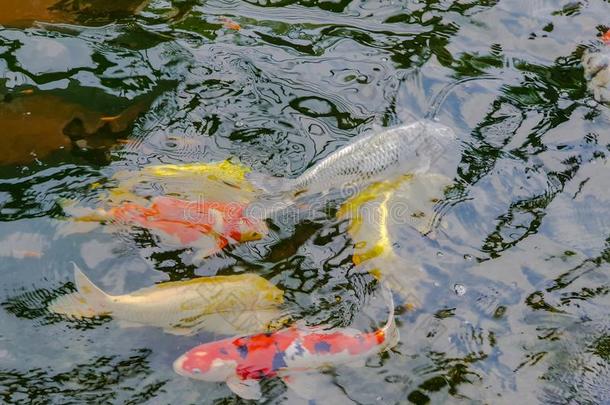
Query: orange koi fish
(190, 221)
(293, 354)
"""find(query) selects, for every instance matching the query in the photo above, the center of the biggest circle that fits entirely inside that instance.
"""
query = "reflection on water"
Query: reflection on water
(117, 378)
(513, 301)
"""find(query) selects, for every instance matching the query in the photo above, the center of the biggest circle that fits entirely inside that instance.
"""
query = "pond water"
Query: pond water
(513, 302)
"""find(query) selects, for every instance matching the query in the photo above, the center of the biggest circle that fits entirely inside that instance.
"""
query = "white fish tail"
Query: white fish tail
(389, 329)
(89, 300)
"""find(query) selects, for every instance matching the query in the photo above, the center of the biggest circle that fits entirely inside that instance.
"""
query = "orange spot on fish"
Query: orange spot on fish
(606, 38)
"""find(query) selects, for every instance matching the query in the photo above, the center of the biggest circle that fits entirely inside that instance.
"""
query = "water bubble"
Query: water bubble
(440, 254)
(467, 257)
(239, 124)
(460, 289)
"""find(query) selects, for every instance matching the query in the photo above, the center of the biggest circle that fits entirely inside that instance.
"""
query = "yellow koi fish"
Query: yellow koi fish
(243, 303)
(407, 200)
(220, 181)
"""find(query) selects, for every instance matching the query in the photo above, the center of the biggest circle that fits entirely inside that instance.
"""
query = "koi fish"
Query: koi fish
(597, 71)
(243, 303)
(295, 354)
(375, 157)
(206, 225)
(220, 181)
(408, 200)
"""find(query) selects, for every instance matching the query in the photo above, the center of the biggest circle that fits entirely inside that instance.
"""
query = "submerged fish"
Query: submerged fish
(244, 303)
(411, 148)
(218, 181)
(208, 226)
(293, 354)
(408, 200)
(597, 71)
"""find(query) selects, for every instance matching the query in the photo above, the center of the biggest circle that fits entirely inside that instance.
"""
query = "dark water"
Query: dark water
(103, 89)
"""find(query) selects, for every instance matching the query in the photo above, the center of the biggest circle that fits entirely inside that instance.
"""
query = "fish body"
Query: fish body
(292, 354)
(402, 150)
(219, 181)
(408, 200)
(208, 225)
(223, 304)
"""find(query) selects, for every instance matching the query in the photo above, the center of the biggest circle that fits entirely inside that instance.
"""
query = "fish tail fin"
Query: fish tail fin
(89, 300)
(390, 329)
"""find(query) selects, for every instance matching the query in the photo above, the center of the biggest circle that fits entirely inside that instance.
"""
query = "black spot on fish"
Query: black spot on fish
(322, 347)
(278, 361)
(243, 351)
(224, 351)
(299, 349)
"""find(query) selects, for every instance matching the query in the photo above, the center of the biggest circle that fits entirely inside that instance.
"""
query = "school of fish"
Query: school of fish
(381, 165)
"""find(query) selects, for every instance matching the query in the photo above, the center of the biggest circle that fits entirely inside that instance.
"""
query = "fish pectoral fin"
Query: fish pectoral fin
(315, 386)
(246, 389)
(207, 246)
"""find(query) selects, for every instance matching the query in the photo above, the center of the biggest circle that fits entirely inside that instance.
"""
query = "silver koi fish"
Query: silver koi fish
(407, 149)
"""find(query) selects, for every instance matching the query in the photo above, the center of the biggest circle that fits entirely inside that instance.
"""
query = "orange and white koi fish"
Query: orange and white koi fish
(597, 71)
(242, 303)
(206, 225)
(293, 354)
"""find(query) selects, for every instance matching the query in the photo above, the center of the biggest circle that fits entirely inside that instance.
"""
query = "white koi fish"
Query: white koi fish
(243, 303)
(406, 149)
(294, 354)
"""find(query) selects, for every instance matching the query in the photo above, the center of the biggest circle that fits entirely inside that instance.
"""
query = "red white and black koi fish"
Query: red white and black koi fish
(294, 354)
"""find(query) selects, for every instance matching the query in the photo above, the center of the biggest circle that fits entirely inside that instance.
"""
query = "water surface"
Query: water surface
(87, 92)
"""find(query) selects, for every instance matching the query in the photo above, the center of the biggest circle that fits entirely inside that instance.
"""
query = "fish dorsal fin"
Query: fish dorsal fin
(86, 287)
(87, 302)
(246, 389)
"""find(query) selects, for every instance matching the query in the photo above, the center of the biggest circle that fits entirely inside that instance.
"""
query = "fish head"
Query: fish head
(214, 362)
(442, 133)
(246, 229)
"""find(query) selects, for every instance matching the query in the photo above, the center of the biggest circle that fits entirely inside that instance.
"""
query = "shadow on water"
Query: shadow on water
(115, 378)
